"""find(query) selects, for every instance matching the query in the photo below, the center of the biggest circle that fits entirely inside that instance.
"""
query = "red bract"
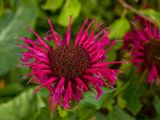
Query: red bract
(144, 42)
(66, 69)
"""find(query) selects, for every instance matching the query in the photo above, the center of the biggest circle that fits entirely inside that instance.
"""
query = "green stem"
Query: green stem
(129, 7)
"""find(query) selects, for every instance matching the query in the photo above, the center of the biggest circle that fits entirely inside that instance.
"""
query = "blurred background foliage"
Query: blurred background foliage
(131, 99)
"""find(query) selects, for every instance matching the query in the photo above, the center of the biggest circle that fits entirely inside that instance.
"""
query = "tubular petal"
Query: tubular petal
(50, 81)
(68, 34)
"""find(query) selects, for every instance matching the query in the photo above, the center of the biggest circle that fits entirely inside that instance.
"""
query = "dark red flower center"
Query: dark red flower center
(153, 52)
(69, 61)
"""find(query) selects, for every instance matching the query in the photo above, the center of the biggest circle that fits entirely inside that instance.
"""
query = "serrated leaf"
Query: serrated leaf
(119, 27)
(52, 4)
(12, 25)
(19, 108)
(70, 8)
(119, 114)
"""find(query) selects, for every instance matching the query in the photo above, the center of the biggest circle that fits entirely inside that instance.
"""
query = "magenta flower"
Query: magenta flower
(144, 42)
(66, 69)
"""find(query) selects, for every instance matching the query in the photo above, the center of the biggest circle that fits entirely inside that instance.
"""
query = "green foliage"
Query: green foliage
(70, 8)
(132, 93)
(52, 4)
(111, 55)
(126, 101)
(20, 107)
(11, 25)
(1, 8)
(156, 103)
(155, 15)
(118, 28)
(119, 114)
(43, 114)
(11, 89)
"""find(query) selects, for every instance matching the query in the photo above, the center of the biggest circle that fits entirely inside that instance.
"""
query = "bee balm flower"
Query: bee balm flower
(145, 48)
(66, 69)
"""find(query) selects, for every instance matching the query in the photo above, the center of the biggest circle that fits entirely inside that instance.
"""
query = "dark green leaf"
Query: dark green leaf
(156, 103)
(101, 116)
(11, 90)
(135, 88)
(119, 114)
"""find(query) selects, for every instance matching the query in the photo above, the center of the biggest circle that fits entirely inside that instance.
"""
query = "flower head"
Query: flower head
(144, 42)
(66, 69)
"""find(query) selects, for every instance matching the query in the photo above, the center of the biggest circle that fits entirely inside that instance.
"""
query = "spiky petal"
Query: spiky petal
(144, 43)
(70, 69)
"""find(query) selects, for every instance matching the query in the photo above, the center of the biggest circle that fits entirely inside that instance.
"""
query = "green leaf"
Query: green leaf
(119, 114)
(90, 99)
(118, 28)
(118, 45)
(43, 114)
(89, 6)
(11, 90)
(100, 116)
(156, 103)
(111, 55)
(92, 105)
(17, 75)
(52, 4)
(62, 112)
(135, 88)
(1, 7)
(70, 8)
(121, 102)
(11, 26)
(21, 107)
(153, 14)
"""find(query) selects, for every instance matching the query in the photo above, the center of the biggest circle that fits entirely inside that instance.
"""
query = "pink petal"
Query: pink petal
(59, 90)
(80, 32)
(56, 37)
(81, 84)
(39, 39)
(48, 82)
(68, 34)
(86, 32)
(68, 95)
